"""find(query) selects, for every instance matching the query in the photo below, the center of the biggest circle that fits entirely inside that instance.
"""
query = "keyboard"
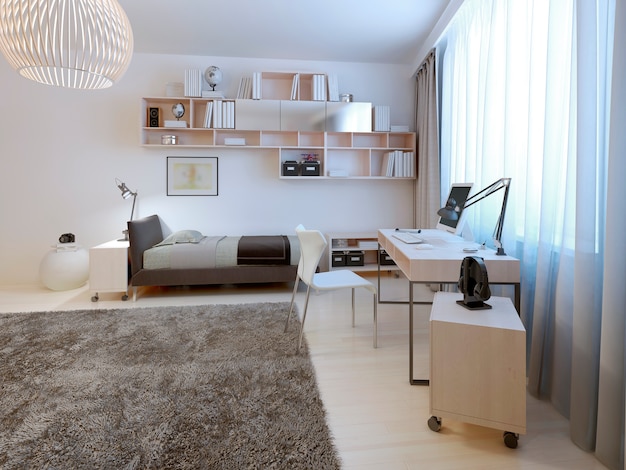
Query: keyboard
(407, 237)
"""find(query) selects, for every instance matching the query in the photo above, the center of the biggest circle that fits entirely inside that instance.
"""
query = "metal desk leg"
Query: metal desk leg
(380, 296)
(413, 381)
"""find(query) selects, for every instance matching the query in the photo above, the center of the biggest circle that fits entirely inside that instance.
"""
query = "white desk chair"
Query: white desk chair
(312, 246)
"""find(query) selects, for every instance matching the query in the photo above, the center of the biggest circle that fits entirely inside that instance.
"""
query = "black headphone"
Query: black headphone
(473, 279)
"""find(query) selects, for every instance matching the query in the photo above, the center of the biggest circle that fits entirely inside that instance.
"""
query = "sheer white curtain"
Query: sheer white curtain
(526, 93)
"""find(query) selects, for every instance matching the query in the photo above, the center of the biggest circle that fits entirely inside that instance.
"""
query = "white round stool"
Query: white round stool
(64, 268)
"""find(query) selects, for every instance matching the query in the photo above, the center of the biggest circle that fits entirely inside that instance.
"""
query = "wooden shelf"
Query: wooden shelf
(350, 155)
(347, 248)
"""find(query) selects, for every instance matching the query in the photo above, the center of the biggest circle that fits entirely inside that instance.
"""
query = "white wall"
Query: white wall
(61, 151)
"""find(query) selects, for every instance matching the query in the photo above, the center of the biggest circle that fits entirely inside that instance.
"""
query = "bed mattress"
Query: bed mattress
(210, 252)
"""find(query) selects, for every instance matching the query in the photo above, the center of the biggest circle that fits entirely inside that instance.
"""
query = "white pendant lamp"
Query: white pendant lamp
(85, 44)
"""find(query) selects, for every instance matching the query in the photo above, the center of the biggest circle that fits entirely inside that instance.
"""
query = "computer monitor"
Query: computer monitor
(459, 192)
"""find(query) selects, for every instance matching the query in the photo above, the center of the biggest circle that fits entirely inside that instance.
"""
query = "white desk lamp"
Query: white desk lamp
(452, 209)
(126, 193)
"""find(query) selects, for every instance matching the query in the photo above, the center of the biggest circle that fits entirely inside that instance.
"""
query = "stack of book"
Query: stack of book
(318, 87)
(333, 87)
(245, 88)
(220, 114)
(399, 164)
(193, 83)
(381, 118)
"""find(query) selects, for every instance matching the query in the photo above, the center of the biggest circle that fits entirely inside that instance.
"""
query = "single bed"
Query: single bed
(187, 257)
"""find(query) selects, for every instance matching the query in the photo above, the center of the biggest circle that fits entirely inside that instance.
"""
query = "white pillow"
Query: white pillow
(182, 236)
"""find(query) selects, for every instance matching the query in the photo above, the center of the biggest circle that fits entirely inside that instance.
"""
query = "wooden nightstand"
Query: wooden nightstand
(108, 268)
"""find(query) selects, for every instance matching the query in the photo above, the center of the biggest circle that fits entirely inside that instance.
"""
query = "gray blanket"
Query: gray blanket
(210, 252)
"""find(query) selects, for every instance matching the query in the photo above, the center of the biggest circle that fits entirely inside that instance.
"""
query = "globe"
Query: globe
(178, 110)
(213, 76)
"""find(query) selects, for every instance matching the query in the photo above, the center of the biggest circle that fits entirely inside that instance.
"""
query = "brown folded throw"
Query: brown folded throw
(264, 250)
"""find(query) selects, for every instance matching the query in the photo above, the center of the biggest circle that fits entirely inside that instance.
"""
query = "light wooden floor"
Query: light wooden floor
(378, 419)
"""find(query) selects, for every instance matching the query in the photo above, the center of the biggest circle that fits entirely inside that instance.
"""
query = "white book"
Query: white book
(217, 114)
(229, 114)
(208, 114)
(241, 86)
(411, 163)
(294, 86)
(241, 94)
(388, 164)
(399, 168)
(248, 93)
(384, 164)
(256, 86)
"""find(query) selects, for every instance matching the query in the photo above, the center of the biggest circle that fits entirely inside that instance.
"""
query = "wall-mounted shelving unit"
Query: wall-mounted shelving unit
(342, 154)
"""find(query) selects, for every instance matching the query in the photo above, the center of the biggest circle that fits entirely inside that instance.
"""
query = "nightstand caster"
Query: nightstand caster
(510, 439)
(434, 423)
(125, 297)
(94, 298)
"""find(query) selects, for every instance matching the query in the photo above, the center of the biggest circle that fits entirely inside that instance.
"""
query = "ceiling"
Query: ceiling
(390, 31)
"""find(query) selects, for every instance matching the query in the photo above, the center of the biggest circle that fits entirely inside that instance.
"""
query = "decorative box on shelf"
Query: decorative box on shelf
(310, 168)
(339, 259)
(291, 168)
(310, 165)
(385, 259)
(355, 258)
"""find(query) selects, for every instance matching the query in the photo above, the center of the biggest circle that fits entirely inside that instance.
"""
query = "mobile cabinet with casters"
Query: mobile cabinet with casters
(478, 365)
(108, 268)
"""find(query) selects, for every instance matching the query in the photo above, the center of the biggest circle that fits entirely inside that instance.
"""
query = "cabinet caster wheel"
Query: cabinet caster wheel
(95, 298)
(125, 297)
(434, 424)
(510, 439)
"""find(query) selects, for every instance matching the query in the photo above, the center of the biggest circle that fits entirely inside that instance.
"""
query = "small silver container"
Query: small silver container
(340, 243)
(346, 97)
(169, 139)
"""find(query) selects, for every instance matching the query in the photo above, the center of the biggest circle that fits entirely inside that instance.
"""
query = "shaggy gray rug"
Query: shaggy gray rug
(206, 387)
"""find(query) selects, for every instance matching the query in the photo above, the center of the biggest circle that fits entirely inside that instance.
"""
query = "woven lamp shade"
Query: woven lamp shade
(85, 44)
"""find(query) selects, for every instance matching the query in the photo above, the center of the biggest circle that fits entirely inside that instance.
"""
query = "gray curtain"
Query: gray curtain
(427, 193)
(610, 437)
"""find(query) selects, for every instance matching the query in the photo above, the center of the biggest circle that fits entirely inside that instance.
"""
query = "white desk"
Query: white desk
(478, 365)
(442, 265)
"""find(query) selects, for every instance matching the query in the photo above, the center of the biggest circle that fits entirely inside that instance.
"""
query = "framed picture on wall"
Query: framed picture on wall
(192, 176)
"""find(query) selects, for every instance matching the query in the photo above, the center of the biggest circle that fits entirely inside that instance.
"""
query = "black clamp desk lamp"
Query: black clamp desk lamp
(452, 209)
(126, 193)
